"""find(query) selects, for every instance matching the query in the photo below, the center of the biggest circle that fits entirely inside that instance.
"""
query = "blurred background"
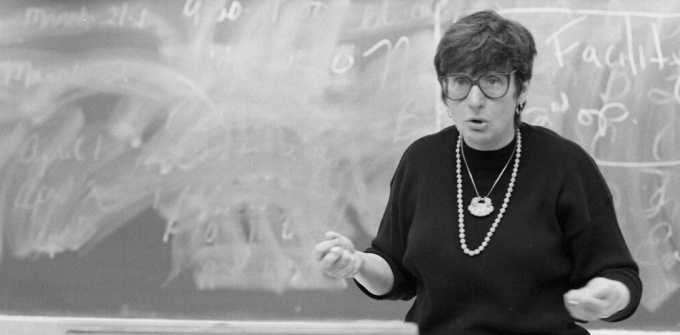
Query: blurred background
(180, 158)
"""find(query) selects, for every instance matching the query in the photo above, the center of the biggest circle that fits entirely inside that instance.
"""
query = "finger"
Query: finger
(572, 303)
(331, 259)
(341, 239)
(342, 266)
(601, 288)
(346, 259)
(583, 306)
(345, 265)
(324, 247)
(592, 303)
(332, 235)
(606, 293)
(579, 311)
(579, 314)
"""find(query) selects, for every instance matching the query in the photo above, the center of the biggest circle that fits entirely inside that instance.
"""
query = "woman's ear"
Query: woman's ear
(522, 97)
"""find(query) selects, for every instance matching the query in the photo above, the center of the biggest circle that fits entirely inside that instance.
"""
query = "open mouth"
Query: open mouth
(476, 121)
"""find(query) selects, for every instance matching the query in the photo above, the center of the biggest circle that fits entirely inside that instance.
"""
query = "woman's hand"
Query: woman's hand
(599, 299)
(337, 256)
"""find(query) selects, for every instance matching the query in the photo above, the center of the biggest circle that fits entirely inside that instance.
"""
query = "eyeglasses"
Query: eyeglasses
(493, 85)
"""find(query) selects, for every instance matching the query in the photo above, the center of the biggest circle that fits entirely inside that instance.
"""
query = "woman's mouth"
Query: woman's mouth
(476, 123)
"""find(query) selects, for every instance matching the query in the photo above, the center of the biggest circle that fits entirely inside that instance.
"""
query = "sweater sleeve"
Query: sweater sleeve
(618, 263)
(593, 237)
(390, 241)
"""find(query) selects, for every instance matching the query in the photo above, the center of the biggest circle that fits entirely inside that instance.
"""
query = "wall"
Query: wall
(179, 159)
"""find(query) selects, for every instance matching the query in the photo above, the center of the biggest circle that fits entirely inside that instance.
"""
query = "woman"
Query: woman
(495, 226)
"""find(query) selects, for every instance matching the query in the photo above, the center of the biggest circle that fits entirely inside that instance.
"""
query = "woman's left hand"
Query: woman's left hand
(599, 299)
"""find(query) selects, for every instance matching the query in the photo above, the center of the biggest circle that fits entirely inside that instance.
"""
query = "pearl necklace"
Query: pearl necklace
(461, 211)
(482, 206)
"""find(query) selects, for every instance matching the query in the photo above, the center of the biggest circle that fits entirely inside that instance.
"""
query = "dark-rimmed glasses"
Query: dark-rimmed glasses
(494, 85)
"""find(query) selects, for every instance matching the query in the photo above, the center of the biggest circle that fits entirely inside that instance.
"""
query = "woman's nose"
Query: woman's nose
(476, 98)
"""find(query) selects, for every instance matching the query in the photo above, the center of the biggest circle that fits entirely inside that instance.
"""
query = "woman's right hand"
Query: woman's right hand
(337, 256)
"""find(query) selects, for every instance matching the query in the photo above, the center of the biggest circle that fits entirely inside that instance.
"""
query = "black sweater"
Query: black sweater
(559, 231)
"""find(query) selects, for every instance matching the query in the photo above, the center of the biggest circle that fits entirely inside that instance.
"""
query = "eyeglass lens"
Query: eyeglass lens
(493, 85)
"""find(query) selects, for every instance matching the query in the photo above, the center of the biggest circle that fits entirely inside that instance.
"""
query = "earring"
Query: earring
(520, 107)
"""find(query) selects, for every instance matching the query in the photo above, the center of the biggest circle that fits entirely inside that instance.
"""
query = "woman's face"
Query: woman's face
(485, 123)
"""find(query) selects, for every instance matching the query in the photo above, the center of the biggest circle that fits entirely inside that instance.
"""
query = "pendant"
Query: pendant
(480, 206)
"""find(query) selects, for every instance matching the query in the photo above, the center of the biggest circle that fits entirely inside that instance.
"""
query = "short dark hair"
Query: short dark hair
(485, 41)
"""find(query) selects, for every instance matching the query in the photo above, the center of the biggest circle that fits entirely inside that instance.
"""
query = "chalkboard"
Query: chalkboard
(180, 158)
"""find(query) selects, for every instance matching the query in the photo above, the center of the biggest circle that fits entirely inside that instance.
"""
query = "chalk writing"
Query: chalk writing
(651, 251)
(391, 52)
(122, 16)
(28, 75)
(545, 117)
(313, 8)
(372, 20)
(663, 97)
(210, 234)
(343, 60)
(232, 12)
(35, 151)
(252, 127)
(611, 112)
(32, 195)
(44, 17)
(559, 51)
(410, 121)
(659, 139)
(562, 106)
(116, 16)
(618, 87)
(388, 13)
(591, 55)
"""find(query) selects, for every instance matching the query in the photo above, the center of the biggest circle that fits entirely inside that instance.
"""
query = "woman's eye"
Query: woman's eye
(460, 80)
(493, 80)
